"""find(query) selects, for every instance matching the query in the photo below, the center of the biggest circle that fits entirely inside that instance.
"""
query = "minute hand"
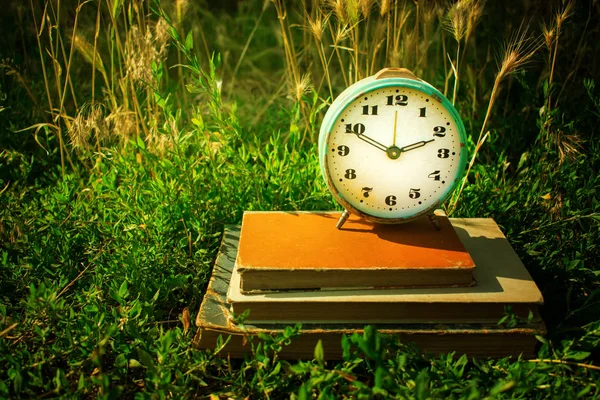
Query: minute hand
(415, 145)
(372, 142)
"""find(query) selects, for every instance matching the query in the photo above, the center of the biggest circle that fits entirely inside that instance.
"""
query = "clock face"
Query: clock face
(394, 153)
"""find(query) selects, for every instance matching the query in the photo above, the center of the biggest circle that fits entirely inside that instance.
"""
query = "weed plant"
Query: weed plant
(133, 131)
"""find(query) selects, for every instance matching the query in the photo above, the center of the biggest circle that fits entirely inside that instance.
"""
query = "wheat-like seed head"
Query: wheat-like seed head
(86, 49)
(475, 11)
(365, 7)
(161, 38)
(517, 52)
(353, 10)
(339, 10)
(341, 33)
(302, 87)
(181, 7)
(121, 123)
(384, 7)
(549, 34)
(564, 14)
(89, 121)
(317, 25)
(429, 10)
(141, 50)
(456, 19)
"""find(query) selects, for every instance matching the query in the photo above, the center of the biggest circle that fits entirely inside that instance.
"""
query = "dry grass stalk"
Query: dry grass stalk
(302, 87)
(365, 6)
(340, 34)
(41, 55)
(461, 21)
(456, 24)
(144, 49)
(89, 124)
(339, 9)
(551, 38)
(316, 27)
(288, 45)
(90, 54)
(353, 12)
(475, 11)
(517, 52)
(428, 13)
(400, 18)
(384, 8)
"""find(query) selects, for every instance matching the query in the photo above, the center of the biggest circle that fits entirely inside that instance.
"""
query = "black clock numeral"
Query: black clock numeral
(414, 193)
(350, 174)
(443, 153)
(399, 100)
(365, 110)
(439, 131)
(390, 200)
(423, 112)
(435, 175)
(366, 190)
(343, 150)
(356, 128)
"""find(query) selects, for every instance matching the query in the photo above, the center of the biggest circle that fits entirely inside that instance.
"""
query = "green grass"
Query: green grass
(113, 202)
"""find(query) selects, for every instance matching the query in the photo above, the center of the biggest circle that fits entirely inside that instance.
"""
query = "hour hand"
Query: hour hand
(415, 145)
(372, 142)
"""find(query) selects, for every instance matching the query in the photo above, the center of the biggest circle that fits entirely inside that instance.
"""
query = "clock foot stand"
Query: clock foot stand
(342, 219)
(435, 222)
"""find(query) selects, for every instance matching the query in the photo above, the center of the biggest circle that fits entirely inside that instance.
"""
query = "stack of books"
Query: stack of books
(445, 290)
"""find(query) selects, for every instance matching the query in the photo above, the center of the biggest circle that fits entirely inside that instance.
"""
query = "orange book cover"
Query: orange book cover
(288, 250)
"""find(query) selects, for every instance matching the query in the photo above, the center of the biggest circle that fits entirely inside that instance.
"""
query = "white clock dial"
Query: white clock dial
(394, 153)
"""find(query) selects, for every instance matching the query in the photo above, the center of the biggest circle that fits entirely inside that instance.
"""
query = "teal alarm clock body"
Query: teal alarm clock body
(392, 147)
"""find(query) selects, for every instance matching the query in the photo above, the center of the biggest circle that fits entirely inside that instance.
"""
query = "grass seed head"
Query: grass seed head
(86, 49)
(475, 11)
(141, 50)
(88, 125)
(564, 14)
(549, 34)
(428, 10)
(316, 26)
(302, 87)
(456, 19)
(365, 7)
(341, 33)
(517, 52)
(121, 124)
(384, 7)
(339, 10)
(353, 10)
(181, 7)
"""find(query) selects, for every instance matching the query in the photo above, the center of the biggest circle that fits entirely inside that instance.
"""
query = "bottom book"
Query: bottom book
(214, 320)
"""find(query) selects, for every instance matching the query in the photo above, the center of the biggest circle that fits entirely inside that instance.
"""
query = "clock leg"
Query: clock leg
(342, 219)
(435, 222)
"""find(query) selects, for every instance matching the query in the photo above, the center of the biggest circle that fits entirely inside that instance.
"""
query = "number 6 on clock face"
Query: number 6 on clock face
(391, 147)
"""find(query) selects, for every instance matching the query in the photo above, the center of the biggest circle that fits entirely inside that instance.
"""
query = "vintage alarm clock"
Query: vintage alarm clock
(391, 148)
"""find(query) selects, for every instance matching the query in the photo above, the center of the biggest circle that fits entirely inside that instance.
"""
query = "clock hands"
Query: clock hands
(372, 142)
(394, 152)
(415, 145)
(395, 123)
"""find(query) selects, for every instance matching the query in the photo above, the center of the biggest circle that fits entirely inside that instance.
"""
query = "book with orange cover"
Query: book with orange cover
(501, 281)
(305, 250)
(217, 327)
